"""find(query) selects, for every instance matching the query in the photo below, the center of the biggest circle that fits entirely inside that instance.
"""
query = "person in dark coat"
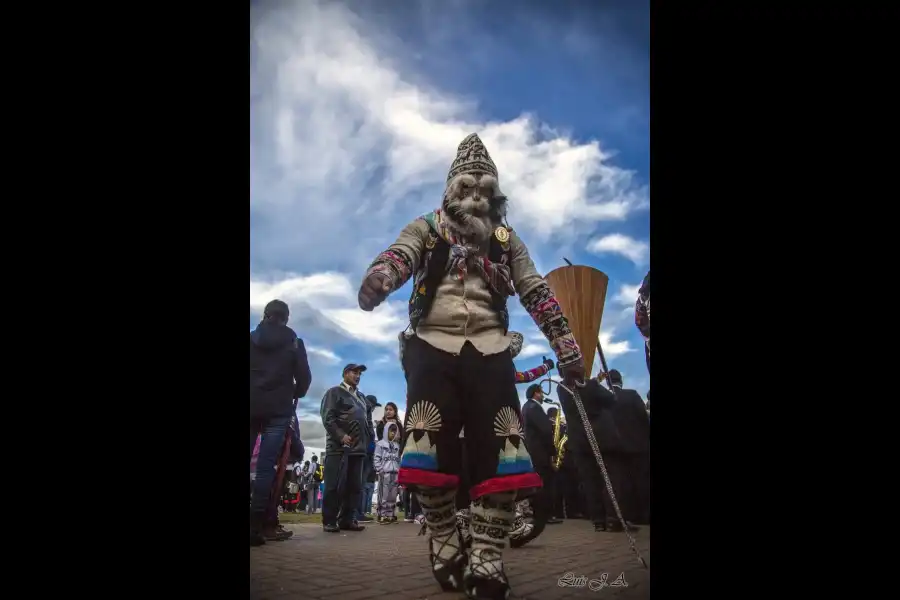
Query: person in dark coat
(567, 483)
(345, 415)
(634, 427)
(539, 441)
(279, 375)
(599, 404)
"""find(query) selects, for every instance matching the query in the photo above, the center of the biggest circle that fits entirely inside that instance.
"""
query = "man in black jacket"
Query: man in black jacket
(599, 404)
(539, 441)
(634, 428)
(345, 416)
(279, 375)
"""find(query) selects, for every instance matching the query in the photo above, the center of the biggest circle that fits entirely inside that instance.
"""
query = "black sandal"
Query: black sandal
(486, 588)
(450, 572)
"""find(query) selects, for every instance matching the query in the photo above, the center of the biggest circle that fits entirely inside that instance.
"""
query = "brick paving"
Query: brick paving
(390, 561)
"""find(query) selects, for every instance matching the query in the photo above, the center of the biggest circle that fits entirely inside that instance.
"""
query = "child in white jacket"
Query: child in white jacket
(387, 464)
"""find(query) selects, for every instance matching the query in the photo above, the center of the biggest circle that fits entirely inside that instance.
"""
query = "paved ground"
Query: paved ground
(390, 561)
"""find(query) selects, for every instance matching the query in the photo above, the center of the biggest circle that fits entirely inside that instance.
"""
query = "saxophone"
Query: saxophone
(558, 442)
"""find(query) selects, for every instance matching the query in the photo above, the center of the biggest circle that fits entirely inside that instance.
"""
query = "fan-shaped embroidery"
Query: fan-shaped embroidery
(423, 416)
(506, 423)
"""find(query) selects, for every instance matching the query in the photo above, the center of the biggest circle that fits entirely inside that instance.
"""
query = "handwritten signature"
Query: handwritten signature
(595, 585)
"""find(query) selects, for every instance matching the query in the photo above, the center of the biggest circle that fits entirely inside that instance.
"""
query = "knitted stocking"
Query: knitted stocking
(463, 524)
(520, 527)
(447, 558)
(492, 519)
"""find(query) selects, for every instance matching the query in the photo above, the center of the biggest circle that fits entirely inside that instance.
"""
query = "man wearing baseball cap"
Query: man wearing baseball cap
(345, 416)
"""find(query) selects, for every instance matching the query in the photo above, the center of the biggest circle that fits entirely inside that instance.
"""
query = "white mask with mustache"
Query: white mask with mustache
(467, 205)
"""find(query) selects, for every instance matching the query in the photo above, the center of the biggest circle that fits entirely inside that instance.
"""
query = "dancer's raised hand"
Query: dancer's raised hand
(374, 289)
(573, 373)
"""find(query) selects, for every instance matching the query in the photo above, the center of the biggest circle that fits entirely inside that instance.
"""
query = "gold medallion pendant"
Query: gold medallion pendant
(502, 234)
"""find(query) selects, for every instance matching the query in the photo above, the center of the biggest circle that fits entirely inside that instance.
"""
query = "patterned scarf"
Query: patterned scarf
(464, 254)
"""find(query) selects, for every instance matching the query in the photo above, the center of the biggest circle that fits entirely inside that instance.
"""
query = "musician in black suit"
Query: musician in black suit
(599, 404)
(634, 428)
(539, 442)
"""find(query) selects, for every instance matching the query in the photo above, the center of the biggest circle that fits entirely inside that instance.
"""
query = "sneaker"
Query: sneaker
(331, 528)
(365, 519)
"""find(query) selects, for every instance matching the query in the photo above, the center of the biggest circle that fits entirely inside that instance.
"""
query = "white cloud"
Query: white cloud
(293, 288)
(535, 350)
(327, 355)
(616, 243)
(380, 326)
(613, 349)
(347, 138)
(336, 309)
(627, 295)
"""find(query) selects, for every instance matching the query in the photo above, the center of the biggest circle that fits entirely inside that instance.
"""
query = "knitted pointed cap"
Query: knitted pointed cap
(472, 157)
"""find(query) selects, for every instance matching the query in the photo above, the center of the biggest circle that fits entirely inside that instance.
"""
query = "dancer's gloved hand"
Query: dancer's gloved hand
(573, 373)
(549, 362)
(374, 289)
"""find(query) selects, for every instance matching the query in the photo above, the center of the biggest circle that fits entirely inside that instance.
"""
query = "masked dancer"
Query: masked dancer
(465, 262)
(521, 532)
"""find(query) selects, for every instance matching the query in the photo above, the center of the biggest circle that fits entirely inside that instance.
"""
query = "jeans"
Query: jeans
(312, 500)
(270, 447)
(366, 506)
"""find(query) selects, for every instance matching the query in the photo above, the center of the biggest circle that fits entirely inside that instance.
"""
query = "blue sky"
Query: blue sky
(356, 109)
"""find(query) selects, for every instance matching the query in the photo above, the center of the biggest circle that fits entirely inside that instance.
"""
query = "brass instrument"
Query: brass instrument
(557, 423)
(558, 442)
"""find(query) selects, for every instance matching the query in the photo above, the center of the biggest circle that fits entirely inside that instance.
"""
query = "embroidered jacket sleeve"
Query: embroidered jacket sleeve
(400, 260)
(642, 309)
(538, 299)
(531, 374)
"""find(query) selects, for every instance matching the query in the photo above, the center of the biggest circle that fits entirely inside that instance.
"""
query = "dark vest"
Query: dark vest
(434, 260)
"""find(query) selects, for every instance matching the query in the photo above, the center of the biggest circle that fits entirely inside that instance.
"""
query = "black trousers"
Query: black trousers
(637, 484)
(446, 392)
(543, 501)
(599, 504)
(411, 506)
(341, 507)
(567, 486)
(463, 500)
